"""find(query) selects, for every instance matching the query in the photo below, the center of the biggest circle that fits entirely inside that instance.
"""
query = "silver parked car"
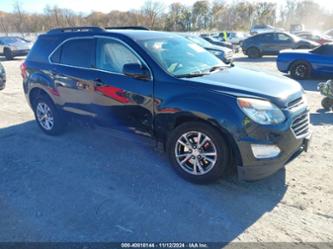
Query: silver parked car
(11, 46)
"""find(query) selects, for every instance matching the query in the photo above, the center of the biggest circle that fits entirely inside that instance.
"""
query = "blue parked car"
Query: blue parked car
(302, 64)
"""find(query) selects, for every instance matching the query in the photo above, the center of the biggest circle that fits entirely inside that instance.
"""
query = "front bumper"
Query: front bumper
(291, 137)
(260, 171)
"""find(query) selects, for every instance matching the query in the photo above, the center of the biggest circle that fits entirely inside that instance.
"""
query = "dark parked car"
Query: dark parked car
(2, 77)
(271, 43)
(223, 53)
(306, 63)
(11, 46)
(208, 116)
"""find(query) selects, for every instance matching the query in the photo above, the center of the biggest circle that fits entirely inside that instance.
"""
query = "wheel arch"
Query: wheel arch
(36, 92)
(224, 132)
(185, 117)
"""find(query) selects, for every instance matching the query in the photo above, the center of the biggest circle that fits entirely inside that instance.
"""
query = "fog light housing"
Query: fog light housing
(263, 151)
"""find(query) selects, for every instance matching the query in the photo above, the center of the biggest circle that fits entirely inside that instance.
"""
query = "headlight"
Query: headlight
(261, 111)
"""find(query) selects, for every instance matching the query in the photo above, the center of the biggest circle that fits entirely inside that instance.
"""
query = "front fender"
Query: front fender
(220, 111)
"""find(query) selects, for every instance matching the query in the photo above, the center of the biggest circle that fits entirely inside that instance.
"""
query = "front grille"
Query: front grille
(295, 103)
(301, 125)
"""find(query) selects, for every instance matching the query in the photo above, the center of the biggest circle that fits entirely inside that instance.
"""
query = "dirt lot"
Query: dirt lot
(98, 185)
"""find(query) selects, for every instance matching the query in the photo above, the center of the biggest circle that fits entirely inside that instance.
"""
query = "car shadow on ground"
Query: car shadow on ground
(256, 60)
(321, 117)
(98, 185)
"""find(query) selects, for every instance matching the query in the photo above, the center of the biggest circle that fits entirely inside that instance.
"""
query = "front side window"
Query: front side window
(180, 56)
(77, 52)
(112, 55)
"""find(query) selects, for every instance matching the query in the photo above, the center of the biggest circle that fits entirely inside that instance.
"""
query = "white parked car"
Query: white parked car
(11, 46)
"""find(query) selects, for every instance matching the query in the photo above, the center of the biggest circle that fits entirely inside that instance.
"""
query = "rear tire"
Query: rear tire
(253, 53)
(49, 118)
(8, 54)
(327, 103)
(203, 158)
(300, 70)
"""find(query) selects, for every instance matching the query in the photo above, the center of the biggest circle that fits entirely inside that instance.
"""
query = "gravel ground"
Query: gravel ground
(84, 186)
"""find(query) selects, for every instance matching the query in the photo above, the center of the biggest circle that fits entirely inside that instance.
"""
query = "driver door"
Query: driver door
(121, 102)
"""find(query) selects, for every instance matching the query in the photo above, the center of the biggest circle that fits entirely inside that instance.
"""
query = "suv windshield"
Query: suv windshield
(181, 57)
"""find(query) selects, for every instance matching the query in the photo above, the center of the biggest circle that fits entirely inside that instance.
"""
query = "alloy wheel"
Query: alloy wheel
(45, 116)
(301, 70)
(196, 153)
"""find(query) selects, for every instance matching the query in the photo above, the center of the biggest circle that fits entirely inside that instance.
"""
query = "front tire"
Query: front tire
(300, 70)
(49, 119)
(198, 152)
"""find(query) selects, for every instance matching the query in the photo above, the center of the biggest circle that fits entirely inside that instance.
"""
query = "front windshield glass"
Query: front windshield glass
(180, 56)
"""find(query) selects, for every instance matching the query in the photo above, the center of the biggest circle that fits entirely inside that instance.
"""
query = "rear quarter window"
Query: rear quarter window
(77, 52)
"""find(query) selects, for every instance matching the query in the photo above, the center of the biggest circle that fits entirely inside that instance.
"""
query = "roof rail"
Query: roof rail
(129, 27)
(75, 29)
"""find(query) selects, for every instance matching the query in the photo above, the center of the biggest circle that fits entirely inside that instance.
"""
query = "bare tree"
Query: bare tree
(152, 10)
(19, 17)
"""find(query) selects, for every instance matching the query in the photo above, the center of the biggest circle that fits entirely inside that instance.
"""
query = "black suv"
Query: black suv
(208, 116)
(271, 43)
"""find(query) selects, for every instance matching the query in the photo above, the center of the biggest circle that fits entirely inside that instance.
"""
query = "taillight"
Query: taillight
(23, 68)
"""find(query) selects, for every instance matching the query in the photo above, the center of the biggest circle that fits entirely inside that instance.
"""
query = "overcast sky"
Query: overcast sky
(106, 6)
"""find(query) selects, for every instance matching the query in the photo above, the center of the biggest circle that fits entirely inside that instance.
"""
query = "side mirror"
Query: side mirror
(135, 70)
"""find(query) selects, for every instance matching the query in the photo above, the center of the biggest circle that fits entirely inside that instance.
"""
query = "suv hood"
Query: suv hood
(238, 81)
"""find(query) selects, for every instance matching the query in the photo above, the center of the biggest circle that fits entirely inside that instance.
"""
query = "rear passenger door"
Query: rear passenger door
(71, 71)
(122, 102)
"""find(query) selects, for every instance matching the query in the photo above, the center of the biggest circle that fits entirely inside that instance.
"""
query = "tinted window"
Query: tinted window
(56, 55)
(112, 55)
(43, 47)
(78, 52)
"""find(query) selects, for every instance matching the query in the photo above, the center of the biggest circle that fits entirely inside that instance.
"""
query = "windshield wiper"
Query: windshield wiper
(191, 75)
(214, 68)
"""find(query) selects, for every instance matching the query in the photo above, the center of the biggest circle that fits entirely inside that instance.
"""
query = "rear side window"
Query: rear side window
(77, 52)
